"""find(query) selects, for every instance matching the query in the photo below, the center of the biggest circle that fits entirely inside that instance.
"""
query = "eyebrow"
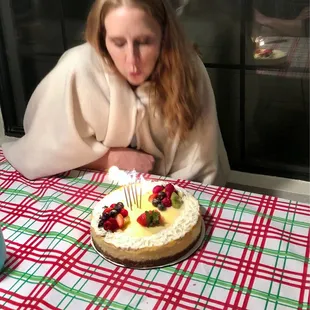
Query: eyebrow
(146, 36)
(116, 38)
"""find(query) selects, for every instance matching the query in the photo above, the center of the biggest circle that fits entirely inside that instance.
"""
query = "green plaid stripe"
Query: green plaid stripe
(254, 255)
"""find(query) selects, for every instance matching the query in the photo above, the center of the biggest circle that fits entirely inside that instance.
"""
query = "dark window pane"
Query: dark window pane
(38, 26)
(75, 14)
(277, 119)
(228, 108)
(214, 26)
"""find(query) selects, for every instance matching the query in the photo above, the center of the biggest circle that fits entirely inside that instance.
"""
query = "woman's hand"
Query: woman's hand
(304, 14)
(124, 158)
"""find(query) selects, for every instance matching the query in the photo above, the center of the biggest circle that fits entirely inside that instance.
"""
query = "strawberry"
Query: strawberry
(113, 205)
(152, 197)
(107, 210)
(149, 218)
(157, 189)
(124, 212)
(166, 202)
(142, 220)
(120, 220)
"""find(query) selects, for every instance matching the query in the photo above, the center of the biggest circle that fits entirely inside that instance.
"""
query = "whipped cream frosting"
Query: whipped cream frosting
(189, 213)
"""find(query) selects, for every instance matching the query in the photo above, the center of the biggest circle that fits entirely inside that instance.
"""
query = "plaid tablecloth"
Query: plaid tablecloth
(255, 254)
(297, 49)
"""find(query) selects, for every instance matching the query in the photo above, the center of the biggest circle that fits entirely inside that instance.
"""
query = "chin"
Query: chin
(136, 82)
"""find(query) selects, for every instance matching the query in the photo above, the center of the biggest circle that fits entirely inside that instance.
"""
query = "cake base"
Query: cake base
(190, 250)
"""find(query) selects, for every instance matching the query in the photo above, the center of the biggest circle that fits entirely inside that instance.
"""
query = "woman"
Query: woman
(135, 95)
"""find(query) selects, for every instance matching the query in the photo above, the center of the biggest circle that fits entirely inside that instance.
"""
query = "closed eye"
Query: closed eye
(118, 42)
(143, 42)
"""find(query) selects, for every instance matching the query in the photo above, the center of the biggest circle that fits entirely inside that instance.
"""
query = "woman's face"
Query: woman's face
(133, 40)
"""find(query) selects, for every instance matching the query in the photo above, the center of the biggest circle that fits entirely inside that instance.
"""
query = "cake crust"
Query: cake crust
(130, 258)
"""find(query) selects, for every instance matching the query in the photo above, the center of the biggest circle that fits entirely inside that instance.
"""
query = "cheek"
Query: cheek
(151, 55)
(115, 53)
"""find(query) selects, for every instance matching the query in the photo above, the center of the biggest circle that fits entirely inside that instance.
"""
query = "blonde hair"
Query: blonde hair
(174, 78)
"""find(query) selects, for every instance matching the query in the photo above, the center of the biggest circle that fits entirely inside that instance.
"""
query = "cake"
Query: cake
(160, 226)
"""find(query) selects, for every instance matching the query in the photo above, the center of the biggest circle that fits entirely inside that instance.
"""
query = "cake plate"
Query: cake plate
(195, 247)
(278, 58)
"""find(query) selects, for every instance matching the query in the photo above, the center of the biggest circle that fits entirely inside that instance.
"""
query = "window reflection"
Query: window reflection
(277, 119)
(276, 81)
(259, 64)
(282, 18)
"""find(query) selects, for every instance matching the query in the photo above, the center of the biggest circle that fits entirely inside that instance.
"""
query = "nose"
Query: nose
(132, 55)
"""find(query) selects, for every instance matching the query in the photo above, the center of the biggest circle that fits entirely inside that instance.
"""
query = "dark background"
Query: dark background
(264, 119)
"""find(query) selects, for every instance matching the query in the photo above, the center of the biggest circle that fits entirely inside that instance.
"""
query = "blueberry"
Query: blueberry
(101, 222)
(155, 202)
(120, 204)
(105, 216)
(113, 213)
(118, 209)
(161, 195)
(161, 207)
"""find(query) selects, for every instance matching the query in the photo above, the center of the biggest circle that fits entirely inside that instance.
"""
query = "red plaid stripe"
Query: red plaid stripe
(305, 283)
(66, 202)
(255, 242)
(73, 253)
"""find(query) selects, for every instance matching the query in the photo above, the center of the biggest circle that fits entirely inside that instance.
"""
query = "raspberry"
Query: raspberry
(124, 212)
(168, 193)
(166, 202)
(114, 224)
(107, 225)
(169, 188)
(110, 225)
(157, 189)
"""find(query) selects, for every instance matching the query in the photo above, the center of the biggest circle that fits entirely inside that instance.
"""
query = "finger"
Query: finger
(150, 166)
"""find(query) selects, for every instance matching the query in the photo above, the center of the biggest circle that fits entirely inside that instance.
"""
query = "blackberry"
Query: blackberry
(161, 195)
(155, 202)
(119, 206)
(105, 216)
(101, 222)
(161, 207)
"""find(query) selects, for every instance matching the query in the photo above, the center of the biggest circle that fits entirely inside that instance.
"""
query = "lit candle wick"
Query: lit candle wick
(129, 183)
